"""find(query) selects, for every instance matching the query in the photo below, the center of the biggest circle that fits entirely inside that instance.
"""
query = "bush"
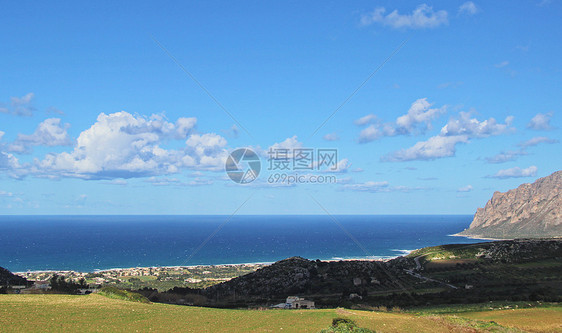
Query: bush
(337, 321)
(126, 295)
(345, 325)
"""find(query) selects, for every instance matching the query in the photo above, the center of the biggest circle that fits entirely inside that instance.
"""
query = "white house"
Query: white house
(295, 302)
(43, 285)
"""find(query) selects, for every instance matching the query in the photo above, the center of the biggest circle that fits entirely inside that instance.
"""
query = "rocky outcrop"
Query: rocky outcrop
(529, 211)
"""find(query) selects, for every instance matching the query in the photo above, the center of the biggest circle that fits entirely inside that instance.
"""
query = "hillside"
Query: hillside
(95, 313)
(515, 270)
(7, 278)
(531, 210)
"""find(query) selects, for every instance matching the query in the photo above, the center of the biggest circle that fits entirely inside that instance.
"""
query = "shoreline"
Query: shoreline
(116, 269)
(476, 237)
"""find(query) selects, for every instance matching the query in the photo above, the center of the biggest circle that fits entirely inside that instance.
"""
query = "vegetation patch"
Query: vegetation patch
(125, 295)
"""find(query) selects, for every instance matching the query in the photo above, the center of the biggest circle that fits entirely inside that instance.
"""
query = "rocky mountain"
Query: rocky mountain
(529, 211)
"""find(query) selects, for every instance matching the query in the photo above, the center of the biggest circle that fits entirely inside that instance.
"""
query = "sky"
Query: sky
(134, 107)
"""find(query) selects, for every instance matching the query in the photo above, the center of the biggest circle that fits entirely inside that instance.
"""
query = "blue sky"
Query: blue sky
(97, 115)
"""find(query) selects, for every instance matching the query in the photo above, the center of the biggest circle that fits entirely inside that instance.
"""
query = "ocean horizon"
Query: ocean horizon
(100, 242)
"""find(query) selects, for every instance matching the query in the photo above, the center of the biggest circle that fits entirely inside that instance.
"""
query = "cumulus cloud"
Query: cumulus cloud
(541, 122)
(516, 172)
(536, 141)
(8, 162)
(468, 8)
(121, 145)
(417, 119)
(466, 188)
(49, 133)
(435, 147)
(331, 137)
(473, 128)
(457, 130)
(422, 17)
(284, 149)
(419, 113)
(20, 106)
(342, 166)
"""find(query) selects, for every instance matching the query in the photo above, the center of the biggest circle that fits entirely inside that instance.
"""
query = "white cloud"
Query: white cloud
(342, 166)
(473, 128)
(284, 149)
(369, 134)
(435, 147)
(507, 156)
(541, 122)
(370, 118)
(417, 119)
(516, 172)
(419, 113)
(331, 137)
(457, 130)
(121, 145)
(535, 141)
(422, 17)
(467, 188)
(20, 106)
(512, 155)
(8, 162)
(49, 133)
(468, 8)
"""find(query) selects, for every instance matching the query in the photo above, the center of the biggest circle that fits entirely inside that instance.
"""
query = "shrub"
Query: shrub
(345, 325)
(126, 295)
(337, 321)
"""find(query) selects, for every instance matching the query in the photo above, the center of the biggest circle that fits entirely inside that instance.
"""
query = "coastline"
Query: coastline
(249, 264)
(476, 237)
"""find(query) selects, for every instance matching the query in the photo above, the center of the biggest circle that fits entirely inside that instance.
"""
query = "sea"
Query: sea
(90, 243)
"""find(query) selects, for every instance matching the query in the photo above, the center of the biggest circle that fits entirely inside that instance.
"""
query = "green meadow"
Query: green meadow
(97, 313)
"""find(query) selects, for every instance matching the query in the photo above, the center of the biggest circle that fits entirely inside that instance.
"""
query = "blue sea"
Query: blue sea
(88, 243)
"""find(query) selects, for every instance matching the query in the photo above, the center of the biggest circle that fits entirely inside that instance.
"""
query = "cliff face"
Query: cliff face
(531, 210)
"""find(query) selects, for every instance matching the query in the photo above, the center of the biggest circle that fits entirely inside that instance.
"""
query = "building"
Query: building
(42, 285)
(295, 302)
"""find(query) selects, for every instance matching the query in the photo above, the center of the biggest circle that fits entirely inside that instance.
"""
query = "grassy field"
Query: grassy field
(98, 313)
(532, 320)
